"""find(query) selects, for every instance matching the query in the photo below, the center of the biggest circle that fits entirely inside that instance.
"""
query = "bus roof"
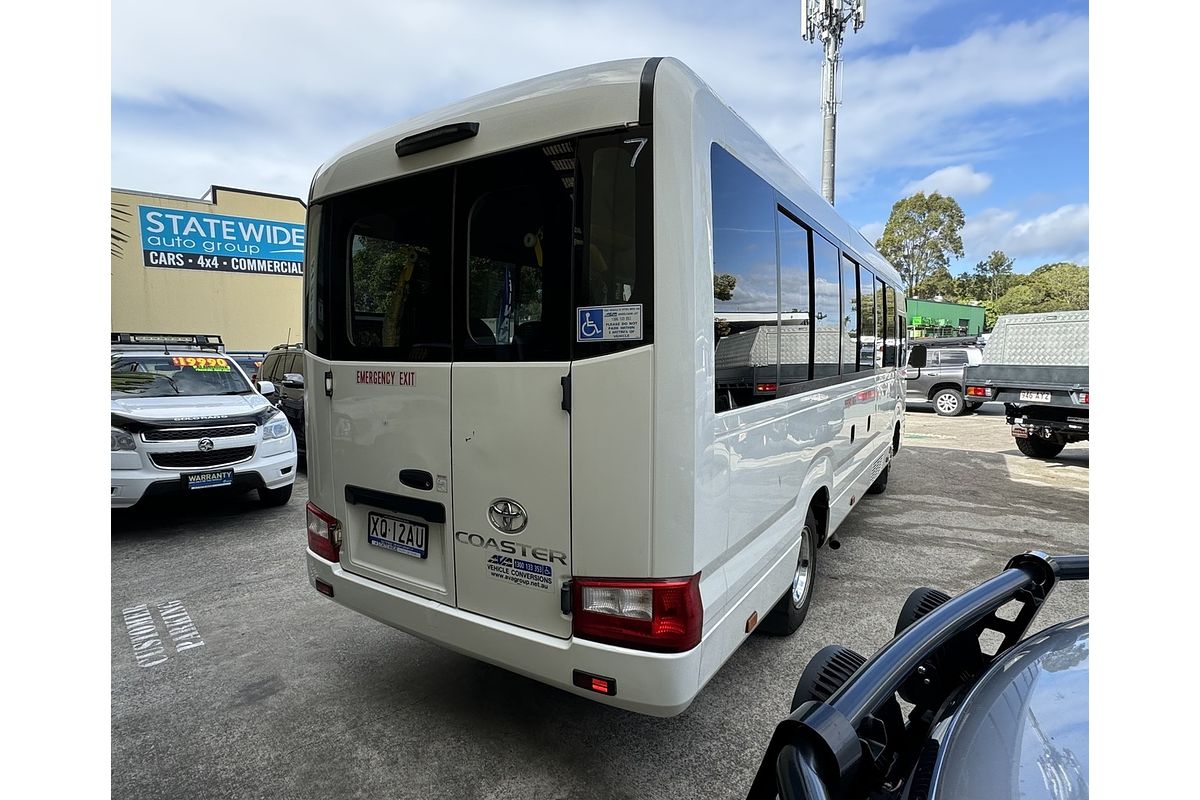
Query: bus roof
(551, 106)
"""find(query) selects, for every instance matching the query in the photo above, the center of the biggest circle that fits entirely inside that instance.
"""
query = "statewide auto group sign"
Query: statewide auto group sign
(177, 239)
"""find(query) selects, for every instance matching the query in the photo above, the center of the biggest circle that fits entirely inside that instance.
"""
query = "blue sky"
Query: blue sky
(982, 100)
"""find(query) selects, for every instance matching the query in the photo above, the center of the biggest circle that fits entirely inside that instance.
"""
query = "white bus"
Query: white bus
(518, 445)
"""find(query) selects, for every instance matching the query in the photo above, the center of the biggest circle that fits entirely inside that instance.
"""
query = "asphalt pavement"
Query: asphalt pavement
(291, 695)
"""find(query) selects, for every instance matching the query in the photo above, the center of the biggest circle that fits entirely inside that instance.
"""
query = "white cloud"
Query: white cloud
(957, 181)
(872, 231)
(294, 83)
(1058, 235)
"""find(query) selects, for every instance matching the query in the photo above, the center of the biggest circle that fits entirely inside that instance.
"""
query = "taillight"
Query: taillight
(661, 615)
(979, 391)
(324, 538)
(765, 387)
(1083, 398)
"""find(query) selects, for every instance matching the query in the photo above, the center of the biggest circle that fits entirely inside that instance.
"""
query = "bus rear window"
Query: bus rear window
(393, 243)
(487, 260)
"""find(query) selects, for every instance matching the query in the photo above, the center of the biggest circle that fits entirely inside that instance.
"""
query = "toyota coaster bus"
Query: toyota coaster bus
(527, 439)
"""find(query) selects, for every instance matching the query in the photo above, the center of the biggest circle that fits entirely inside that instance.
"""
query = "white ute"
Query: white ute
(186, 418)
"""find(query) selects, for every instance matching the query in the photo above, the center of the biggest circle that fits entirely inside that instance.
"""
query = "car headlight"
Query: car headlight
(277, 427)
(121, 440)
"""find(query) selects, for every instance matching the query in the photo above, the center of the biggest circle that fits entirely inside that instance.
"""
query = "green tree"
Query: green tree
(989, 315)
(1050, 287)
(921, 235)
(993, 276)
(939, 283)
(967, 287)
(723, 286)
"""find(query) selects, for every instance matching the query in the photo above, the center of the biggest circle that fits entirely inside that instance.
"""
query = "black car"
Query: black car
(284, 368)
(1003, 725)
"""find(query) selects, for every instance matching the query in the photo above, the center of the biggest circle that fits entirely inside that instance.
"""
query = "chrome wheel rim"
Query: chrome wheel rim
(947, 403)
(800, 581)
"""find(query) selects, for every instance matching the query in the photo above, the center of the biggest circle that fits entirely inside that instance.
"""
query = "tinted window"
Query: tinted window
(316, 285)
(745, 284)
(515, 211)
(611, 257)
(796, 312)
(954, 358)
(849, 315)
(827, 308)
(505, 284)
(866, 319)
(615, 253)
(890, 333)
(478, 261)
(881, 314)
(288, 363)
(395, 243)
(269, 363)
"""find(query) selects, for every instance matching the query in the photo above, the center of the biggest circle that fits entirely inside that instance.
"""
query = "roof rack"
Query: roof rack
(945, 341)
(203, 341)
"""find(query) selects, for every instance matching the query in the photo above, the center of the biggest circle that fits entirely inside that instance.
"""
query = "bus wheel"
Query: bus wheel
(787, 615)
(880, 484)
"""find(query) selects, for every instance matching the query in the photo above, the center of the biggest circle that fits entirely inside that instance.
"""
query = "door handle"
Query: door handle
(416, 478)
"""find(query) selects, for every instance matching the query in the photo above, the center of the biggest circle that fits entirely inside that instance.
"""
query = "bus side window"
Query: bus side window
(827, 309)
(745, 283)
(795, 274)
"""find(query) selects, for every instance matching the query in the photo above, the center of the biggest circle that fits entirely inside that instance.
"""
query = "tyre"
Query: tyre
(880, 484)
(275, 497)
(948, 403)
(1036, 447)
(787, 615)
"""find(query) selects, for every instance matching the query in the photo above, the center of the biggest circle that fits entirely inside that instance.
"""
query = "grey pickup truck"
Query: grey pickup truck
(1037, 365)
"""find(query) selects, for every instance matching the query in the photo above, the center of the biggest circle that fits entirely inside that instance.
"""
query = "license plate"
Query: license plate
(398, 535)
(1035, 397)
(208, 480)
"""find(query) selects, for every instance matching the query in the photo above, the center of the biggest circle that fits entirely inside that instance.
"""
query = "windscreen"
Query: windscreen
(172, 376)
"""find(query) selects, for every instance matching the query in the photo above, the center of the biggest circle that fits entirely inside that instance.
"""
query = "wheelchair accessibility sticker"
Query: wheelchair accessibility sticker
(609, 323)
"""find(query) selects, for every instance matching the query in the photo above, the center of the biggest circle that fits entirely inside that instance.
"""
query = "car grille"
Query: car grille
(175, 434)
(197, 458)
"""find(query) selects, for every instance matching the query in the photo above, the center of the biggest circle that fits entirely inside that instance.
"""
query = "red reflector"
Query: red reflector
(665, 616)
(322, 533)
(594, 683)
(323, 587)
(766, 387)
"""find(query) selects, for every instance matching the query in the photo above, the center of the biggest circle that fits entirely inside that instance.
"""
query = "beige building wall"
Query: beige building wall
(249, 311)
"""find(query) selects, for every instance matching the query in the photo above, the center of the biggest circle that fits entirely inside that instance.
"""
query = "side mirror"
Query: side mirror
(916, 358)
(293, 380)
(265, 388)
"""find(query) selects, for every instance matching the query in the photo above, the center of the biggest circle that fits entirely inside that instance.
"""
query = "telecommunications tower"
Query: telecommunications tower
(825, 21)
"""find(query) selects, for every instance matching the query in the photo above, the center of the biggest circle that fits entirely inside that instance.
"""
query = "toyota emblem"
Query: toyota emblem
(205, 445)
(507, 516)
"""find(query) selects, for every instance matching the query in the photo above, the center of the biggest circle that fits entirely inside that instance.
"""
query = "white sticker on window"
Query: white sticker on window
(608, 323)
